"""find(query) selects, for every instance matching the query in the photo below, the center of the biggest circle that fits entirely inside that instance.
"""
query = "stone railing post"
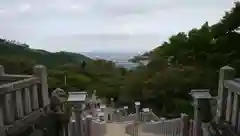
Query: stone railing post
(27, 101)
(145, 114)
(1, 70)
(225, 73)
(41, 72)
(200, 96)
(125, 111)
(8, 107)
(35, 103)
(2, 132)
(1, 117)
(89, 125)
(185, 125)
(19, 104)
(112, 103)
(235, 111)
(137, 107)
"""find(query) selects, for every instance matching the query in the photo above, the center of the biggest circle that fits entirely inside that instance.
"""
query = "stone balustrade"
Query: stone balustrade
(23, 99)
(173, 127)
(132, 128)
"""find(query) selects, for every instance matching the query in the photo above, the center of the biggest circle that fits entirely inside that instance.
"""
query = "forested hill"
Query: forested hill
(100, 75)
(14, 50)
(188, 60)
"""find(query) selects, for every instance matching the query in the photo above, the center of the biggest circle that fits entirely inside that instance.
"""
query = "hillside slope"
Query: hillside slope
(10, 49)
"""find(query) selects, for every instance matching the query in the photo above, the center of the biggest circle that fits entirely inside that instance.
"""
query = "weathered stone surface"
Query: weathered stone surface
(37, 133)
(21, 125)
(2, 132)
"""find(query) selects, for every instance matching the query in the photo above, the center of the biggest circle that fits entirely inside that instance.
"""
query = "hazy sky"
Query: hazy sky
(106, 25)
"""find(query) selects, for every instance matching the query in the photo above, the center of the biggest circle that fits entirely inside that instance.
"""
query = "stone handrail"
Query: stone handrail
(23, 99)
(173, 127)
(147, 116)
(132, 128)
(130, 117)
(144, 116)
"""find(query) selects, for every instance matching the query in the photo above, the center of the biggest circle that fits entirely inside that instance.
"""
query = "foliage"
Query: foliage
(196, 57)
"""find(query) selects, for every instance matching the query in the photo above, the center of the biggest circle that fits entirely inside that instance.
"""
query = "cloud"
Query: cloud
(2, 11)
(38, 21)
(25, 7)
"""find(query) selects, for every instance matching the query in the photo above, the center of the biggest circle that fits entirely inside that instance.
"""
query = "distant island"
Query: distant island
(121, 59)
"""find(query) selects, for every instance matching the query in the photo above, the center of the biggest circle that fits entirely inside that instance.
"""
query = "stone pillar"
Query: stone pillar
(185, 125)
(41, 72)
(197, 119)
(125, 111)
(89, 125)
(200, 97)
(27, 101)
(226, 73)
(117, 115)
(103, 107)
(137, 107)
(101, 116)
(19, 104)
(9, 113)
(1, 70)
(93, 110)
(35, 104)
(72, 128)
(229, 106)
(1, 117)
(145, 114)
(112, 103)
(78, 121)
(235, 111)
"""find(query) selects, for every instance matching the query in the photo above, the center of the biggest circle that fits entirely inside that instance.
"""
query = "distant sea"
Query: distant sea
(120, 58)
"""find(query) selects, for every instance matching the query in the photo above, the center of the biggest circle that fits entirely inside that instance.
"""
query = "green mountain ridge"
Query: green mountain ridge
(11, 49)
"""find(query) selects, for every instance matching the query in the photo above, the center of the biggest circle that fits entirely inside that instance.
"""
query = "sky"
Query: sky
(104, 25)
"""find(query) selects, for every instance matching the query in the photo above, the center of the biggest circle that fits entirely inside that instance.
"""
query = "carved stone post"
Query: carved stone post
(1, 117)
(1, 70)
(103, 109)
(89, 125)
(199, 96)
(19, 104)
(2, 130)
(78, 120)
(8, 105)
(229, 106)
(185, 125)
(35, 104)
(112, 103)
(27, 101)
(41, 72)
(137, 107)
(145, 114)
(226, 73)
(235, 114)
(125, 110)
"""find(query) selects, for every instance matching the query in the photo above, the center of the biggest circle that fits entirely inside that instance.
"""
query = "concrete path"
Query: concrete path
(116, 129)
